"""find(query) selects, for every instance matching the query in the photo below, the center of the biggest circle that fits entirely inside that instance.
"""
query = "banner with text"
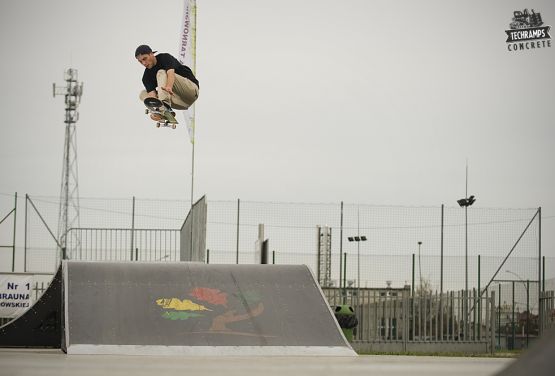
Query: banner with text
(15, 294)
(187, 54)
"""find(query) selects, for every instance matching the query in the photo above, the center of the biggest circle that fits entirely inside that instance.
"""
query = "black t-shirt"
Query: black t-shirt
(166, 62)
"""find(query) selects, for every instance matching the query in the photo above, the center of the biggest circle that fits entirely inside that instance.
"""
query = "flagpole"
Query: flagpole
(194, 55)
(192, 175)
(188, 48)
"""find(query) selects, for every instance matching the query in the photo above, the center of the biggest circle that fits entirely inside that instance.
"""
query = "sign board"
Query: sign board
(15, 294)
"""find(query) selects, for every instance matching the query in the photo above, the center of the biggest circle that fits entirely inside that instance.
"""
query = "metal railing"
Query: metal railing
(395, 315)
(119, 244)
(547, 310)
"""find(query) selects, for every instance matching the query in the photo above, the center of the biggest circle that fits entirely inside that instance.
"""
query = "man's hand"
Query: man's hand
(170, 81)
(168, 89)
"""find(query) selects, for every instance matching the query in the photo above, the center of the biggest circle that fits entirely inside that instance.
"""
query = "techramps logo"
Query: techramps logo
(527, 32)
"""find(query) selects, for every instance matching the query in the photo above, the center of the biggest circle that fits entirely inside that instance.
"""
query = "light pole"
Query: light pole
(358, 239)
(465, 203)
(419, 266)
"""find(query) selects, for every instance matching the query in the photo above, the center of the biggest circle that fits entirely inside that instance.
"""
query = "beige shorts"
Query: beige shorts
(185, 91)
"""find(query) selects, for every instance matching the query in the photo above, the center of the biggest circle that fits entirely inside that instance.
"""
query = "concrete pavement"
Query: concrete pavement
(55, 363)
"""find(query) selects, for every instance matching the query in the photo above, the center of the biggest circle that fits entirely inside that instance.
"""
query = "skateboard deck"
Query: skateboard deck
(154, 106)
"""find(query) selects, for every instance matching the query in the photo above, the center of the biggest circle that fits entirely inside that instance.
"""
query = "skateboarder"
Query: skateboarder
(167, 79)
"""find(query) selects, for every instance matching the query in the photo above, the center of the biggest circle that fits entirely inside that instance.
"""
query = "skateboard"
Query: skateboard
(155, 106)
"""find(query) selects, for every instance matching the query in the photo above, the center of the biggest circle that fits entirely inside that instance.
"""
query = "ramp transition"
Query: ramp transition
(196, 309)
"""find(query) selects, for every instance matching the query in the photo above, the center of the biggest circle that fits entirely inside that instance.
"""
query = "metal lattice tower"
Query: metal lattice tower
(323, 242)
(69, 193)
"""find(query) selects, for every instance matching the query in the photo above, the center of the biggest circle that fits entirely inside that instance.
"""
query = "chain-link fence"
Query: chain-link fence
(434, 247)
(434, 235)
(425, 249)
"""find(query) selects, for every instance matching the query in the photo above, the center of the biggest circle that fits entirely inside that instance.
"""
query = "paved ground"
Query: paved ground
(56, 363)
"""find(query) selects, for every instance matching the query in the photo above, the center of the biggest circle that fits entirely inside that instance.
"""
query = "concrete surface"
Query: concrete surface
(56, 363)
(540, 358)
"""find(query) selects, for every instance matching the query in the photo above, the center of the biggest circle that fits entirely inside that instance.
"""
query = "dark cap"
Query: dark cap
(143, 49)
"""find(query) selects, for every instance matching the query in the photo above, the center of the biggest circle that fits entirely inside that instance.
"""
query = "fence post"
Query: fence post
(132, 228)
(441, 253)
(543, 297)
(543, 275)
(513, 329)
(345, 278)
(540, 309)
(406, 321)
(14, 212)
(14, 232)
(527, 312)
(341, 247)
(499, 319)
(479, 302)
(412, 292)
(25, 237)
(539, 258)
(237, 249)
(441, 332)
(492, 324)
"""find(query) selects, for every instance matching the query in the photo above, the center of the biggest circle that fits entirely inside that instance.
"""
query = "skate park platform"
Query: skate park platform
(134, 308)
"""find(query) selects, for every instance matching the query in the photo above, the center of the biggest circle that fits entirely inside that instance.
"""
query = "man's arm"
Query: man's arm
(171, 79)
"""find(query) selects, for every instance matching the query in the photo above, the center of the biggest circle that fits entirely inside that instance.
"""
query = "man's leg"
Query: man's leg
(185, 91)
(143, 95)
(161, 79)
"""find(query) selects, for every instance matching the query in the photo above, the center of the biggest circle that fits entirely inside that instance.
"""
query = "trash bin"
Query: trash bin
(347, 320)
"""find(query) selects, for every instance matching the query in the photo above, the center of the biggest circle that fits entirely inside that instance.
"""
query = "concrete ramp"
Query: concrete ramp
(539, 360)
(196, 309)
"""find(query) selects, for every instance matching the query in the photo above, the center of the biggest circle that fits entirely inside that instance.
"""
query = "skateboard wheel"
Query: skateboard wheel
(173, 126)
(146, 112)
(157, 125)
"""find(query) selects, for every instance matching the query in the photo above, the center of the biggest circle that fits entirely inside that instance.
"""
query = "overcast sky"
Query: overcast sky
(377, 102)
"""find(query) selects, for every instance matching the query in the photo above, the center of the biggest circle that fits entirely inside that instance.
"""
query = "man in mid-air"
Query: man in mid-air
(167, 79)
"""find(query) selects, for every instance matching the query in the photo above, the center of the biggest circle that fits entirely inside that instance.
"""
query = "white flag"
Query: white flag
(187, 54)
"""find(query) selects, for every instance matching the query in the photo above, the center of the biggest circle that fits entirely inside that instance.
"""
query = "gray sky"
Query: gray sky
(378, 102)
